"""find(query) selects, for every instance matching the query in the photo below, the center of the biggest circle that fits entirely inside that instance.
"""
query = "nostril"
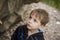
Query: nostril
(28, 22)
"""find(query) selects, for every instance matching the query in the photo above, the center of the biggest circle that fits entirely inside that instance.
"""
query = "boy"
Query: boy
(32, 30)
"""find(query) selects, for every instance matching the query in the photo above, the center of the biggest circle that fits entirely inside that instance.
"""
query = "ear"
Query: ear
(41, 26)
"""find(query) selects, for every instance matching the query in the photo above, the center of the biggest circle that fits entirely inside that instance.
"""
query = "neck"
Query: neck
(30, 32)
(41, 28)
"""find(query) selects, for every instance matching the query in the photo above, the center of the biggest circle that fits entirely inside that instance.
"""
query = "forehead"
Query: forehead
(35, 14)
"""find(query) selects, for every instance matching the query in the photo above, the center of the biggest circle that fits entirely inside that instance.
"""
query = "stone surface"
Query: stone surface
(51, 31)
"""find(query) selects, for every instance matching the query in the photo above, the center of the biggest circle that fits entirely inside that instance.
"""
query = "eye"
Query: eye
(35, 20)
(30, 17)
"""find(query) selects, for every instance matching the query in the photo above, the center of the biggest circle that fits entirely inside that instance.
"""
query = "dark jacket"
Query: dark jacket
(21, 33)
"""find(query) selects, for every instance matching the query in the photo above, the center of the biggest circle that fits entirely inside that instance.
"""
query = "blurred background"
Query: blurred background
(53, 3)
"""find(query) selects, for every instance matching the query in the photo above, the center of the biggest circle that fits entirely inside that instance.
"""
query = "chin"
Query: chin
(28, 27)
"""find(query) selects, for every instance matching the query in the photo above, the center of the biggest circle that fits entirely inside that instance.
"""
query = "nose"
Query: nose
(31, 20)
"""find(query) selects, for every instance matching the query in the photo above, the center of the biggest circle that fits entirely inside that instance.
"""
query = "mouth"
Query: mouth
(28, 24)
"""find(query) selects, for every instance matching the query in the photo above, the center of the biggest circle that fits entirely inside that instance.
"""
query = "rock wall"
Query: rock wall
(13, 16)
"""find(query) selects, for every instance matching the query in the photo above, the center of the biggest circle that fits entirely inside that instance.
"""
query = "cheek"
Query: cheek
(35, 24)
(27, 21)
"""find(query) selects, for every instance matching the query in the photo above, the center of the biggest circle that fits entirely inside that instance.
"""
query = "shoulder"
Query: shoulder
(17, 32)
(20, 28)
(38, 36)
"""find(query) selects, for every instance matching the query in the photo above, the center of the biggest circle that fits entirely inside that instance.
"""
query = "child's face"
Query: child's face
(33, 22)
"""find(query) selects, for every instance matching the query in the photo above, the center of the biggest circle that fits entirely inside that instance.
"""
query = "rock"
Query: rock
(15, 5)
(1, 3)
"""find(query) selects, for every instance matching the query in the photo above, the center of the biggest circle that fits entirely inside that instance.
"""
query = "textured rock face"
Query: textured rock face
(17, 17)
